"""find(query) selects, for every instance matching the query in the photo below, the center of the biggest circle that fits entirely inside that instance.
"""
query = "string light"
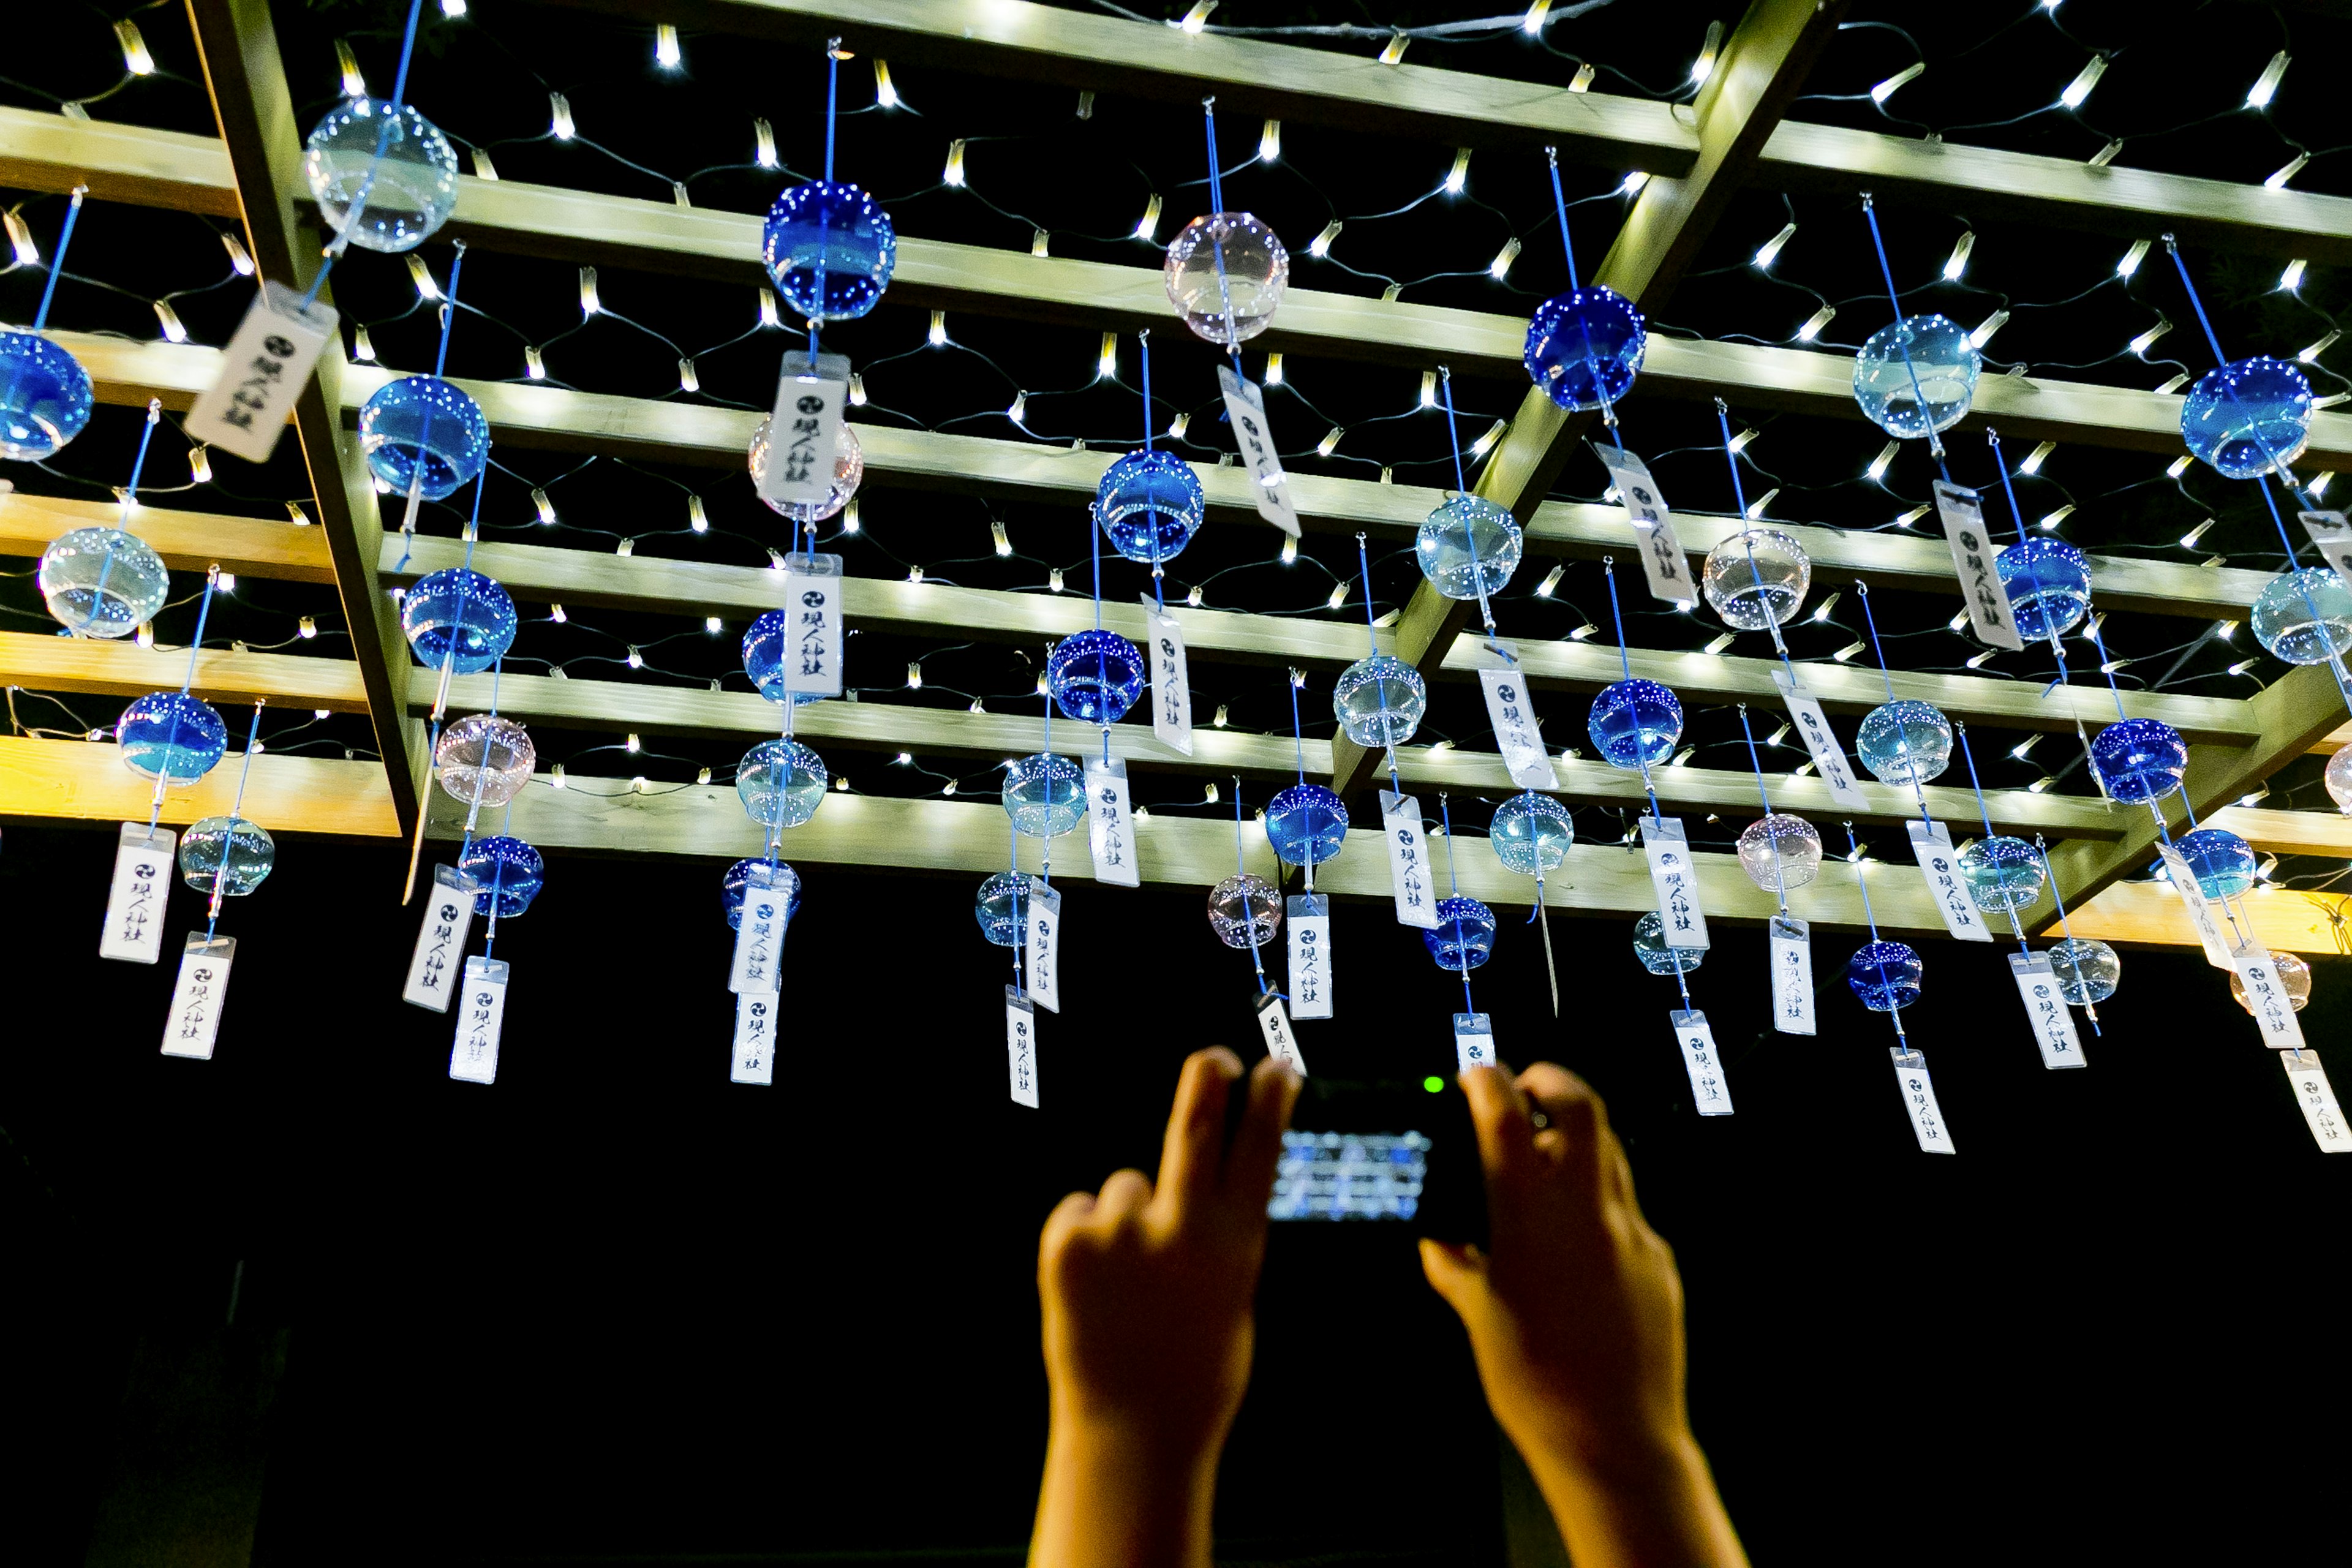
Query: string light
(354, 84)
(170, 320)
(1339, 595)
(1198, 17)
(1704, 66)
(2189, 540)
(1877, 470)
(2277, 178)
(1459, 175)
(1822, 611)
(1270, 142)
(2309, 355)
(2036, 458)
(2050, 522)
(20, 238)
(1107, 362)
(886, 93)
(239, 260)
(1583, 80)
(763, 141)
(483, 168)
(453, 9)
(665, 49)
(953, 173)
(849, 519)
(1755, 508)
(1500, 266)
(1551, 581)
(1888, 88)
(939, 333)
(1325, 447)
(1632, 185)
(534, 364)
(2318, 487)
(856, 391)
(1003, 544)
(545, 507)
(1533, 26)
(1144, 226)
(1038, 244)
(200, 466)
(1957, 262)
(1815, 323)
(1178, 425)
(1274, 369)
(590, 303)
(1769, 251)
(2106, 155)
(2132, 259)
(914, 677)
(697, 518)
(1053, 581)
(1393, 54)
(421, 276)
(559, 117)
(2266, 85)
(712, 625)
(555, 613)
(1987, 328)
(1485, 443)
(2077, 90)
(2147, 339)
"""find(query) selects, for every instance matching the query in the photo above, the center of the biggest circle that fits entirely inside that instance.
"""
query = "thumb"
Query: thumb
(1458, 1273)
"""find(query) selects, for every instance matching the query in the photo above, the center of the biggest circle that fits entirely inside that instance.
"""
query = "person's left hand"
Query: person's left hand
(1146, 1294)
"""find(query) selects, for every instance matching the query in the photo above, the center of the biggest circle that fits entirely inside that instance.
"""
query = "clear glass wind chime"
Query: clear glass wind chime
(1886, 977)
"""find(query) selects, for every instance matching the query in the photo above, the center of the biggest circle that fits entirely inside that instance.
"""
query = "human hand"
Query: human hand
(1147, 1292)
(1575, 1314)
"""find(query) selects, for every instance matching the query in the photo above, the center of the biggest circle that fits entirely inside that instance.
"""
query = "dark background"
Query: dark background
(613, 1306)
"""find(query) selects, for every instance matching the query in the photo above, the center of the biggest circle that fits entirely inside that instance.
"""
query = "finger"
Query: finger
(1069, 1216)
(1499, 1114)
(1124, 1195)
(1453, 1269)
(1257, 1145)
(1577, 1134)
(1188, 1157)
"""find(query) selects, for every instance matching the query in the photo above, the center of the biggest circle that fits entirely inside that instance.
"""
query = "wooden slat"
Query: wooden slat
(2149, 914)
(237, 42)
(2288, 832)
(286, 795)
(124, 669)
(187, 541)
(128, 163)
(537, 572)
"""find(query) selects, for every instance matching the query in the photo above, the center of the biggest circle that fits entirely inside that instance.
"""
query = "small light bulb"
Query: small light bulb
(559, 116)
(1178, 425)
(238, 258)
(1270, 142)
(2147, 339)
(1274, 369)
(1957, 262)
(2036, 458)
(1719, 642)
(1893, 84)
(1150, 221)
(1987, 328)
(1551, 581)
(1198, 17)
(953, 173)
(483, 168)
(200, 466)
(2225, 630)
(1822, 611)
(590, 302)
(1632, 185)
(713, 624)
(1290, 552)
(1769, 251)
(1219, 721)
(1846, 653)
(169, 320)
(2292, 278)
(1393, 53)
(2075, 91)
(354, 84)
(545, 507)
(696, 517)
(2310, 355)
(2053, 520)
(665, 51)
(2175, 469)
(1339, 595)
(763, 140)
(939, 334)
(2318, 487)
(555, 613)
(1755, 508)
(1330, 442)
(1583, 80)
(1815, 323)
(2266, 85)
(1107, 360)
(1192, 597)
(688, 378)
(1704, 66)
(1320, 245)
(1459, 175)
(1054, 581)
(534, 364)
(228, 582)
(20, 239)
(850, 522)
(2132, 259)
(636, 661)
(885, 91)
(1877, 470)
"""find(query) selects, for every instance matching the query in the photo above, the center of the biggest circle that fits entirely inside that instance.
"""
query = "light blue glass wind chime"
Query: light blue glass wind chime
(829, 248)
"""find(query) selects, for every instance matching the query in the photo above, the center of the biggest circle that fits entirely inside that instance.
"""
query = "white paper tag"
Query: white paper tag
(2317, 1098)
(1021, 1048)
(2053, 1021)
(134, 904)
(2201, 910)
(803, 428)
(1821, 743)
(1792, 975)
(263, 370)
(1511, 709)
(2332, 534)
(1416, 902)
(1110, 824)
(1972, 553)
(760, 935)
(1280, 1043)
(812, 634)
(1245, 406)
(1676, 880)
(1474, 1041)
(481, 1014)
(1919, 1100)
(1709, 1091)
(1664, 564)
(755, 1038)
(1172, 690)
(440, 941)
(1045, 946)
(1931, 846)
(2266, 996)
(197, 997)
(1310, 955)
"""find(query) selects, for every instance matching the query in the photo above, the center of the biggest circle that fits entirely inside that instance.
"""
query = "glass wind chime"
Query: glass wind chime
(1886, 977)
(829, 248)
(45, 394)
(1246, 910)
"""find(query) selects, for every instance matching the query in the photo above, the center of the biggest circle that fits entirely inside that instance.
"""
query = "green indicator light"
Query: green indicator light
(1434, 1084)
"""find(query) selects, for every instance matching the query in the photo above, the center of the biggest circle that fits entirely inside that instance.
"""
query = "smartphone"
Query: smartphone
(1400, 1151)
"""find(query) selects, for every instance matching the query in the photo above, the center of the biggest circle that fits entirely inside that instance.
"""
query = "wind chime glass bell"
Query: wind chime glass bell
(1379, 702)
(1584, 347)
(780, 783)
(1245, 910)
(404, 166)
(485, 759)
(102, 582)
(1886, 974)
(171, 736)
(1916, 376)
(2339, 778)
(1306, 825)
(1045, 794)
(1635, 723)
(460, 609)
(1227, 268)
(1468, 543)
(2223, 863)
(848, 469)
(245, 845)
(1149, 505)
(2139, 759)
(2048, 582)
(1003, 908)
(2304, 617)
(765, 644)
(1905, 741)
(421, 431)
(45, 397)
(2248, 417)
(1757, 578)
(2294, 978)
(1464, 936)
(2001, 873)
(2088, 972)
(1780, 852)
(1531, 833)
(738, 881)
(1650, 947)
(830, 248)
(505, 869)
(1096, 677)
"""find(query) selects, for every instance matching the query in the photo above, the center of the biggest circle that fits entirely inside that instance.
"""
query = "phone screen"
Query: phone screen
(1349, 1175)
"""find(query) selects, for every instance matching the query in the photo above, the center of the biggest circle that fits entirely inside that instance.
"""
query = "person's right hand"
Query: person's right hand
(1575, 1314)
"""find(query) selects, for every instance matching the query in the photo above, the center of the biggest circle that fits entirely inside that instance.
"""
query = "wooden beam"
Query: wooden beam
(238, 44)
(130, 163)
(187, 541)
(2289, 716)
(124, 669)
(2149, 914)
(285, 794)
(2325, 832)
(538, 572)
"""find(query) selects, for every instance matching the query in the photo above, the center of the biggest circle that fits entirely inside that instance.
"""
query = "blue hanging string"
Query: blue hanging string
(1216, 241)
(1625, 662)
(1969, 755)
(57, 262)
(1461, 487)
(1748, 537)
(2091, 1009)
(1861, 592)
(1780, 879)
(1568, 248)
(2253, 428)
(235, 818)
(1919, 395)
(2016, 516)
(1461, 945)
(1853, 847)
(391, 123)
(1240, 870)
(425, 434)
(130, 500)
(172, 742)
(1372, 640)
(1559, 206)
